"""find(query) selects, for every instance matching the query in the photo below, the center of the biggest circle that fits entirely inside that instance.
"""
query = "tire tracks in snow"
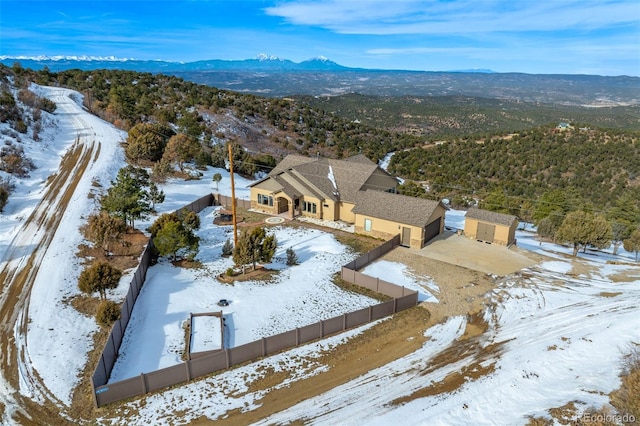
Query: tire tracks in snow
(21, 266)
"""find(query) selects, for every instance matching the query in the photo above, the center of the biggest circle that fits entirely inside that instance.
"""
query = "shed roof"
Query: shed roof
(491, 217)
(395, 207)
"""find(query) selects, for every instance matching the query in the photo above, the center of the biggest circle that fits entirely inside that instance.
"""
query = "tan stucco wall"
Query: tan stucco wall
(381, 228)
(345, 212)
(318, 214)
(504, 235)
(254, 191)
(329, 212)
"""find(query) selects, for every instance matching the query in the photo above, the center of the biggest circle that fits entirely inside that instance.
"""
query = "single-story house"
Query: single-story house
(490, 227)
(384, 215)
(353, 190)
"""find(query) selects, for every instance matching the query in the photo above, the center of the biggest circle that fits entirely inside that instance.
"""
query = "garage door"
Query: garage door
(486, 232)
(432, 230)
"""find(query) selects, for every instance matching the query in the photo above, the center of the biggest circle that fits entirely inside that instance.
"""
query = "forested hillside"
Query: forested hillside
(596, 165)
(446, 116)
(262, 125)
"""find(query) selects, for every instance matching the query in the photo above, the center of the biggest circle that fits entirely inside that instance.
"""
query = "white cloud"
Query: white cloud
(378, 17)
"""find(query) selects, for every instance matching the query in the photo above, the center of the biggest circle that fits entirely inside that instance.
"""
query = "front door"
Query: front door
(405, 239)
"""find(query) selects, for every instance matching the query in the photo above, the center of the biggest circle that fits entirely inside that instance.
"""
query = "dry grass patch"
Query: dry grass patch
(377, 346)
(259, 274)
(626, 276)
(352, 288)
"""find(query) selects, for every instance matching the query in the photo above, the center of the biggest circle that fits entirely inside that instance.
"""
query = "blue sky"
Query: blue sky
(532, 36)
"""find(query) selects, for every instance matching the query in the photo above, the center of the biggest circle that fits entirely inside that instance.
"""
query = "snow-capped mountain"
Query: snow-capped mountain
(262, 62)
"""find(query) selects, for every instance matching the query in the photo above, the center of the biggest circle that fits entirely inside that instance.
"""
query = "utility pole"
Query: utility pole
(233, 199)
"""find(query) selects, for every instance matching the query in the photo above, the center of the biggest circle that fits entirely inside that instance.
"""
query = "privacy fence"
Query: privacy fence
(106, 393)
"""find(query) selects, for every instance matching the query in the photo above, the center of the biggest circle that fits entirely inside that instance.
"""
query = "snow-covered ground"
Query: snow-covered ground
(299, 295)
(561, 326)
(206, 333)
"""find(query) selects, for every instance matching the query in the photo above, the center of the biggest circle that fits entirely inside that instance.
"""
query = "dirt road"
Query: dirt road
(20, 267)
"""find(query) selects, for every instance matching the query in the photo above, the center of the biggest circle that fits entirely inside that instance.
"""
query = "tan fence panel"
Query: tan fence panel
(407, 301)
(390, 289)
(358, 317)
(333, 325)
(246, 352)
(382, 310)
(209, 364)
(120, 390)
(310, 332)
(366, 281)
(117, 332)
(166, 377)
(362, 261)
(348, 274)
(280, 341)
(100, 375)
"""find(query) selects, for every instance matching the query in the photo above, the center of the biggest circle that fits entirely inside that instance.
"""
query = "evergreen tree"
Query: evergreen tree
(254, 245)
(128, 198)
(99, 277)
(217, 177)
(174, 235)
(156, 195)
(632, 244)
(292, 257)
(147, 141)
(104, 230)
(582, 229)
(180, 149)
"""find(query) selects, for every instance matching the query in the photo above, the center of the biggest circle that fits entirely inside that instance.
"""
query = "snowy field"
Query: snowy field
(562, 326)
(299, 295)
(206, 333)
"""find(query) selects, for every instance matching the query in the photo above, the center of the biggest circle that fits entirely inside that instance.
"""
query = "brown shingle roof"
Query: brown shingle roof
(491, 217)
(395, 207)
(289, 162)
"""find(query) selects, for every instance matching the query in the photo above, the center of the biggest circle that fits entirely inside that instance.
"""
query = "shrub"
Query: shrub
(98, 278)
(230, 272)
(108, 312)
(292, 258)
(227, 248)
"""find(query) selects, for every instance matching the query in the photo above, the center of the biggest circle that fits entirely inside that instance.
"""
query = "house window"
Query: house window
(367, 225)
(265, 200)
(309, 207)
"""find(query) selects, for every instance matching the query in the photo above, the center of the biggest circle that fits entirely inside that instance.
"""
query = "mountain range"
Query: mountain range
(275, 77)
(262, 62)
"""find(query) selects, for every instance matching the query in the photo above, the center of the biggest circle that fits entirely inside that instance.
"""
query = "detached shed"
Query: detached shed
(490, 227)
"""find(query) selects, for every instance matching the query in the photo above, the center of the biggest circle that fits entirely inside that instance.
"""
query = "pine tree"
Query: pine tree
(254, 246)
(99, 277)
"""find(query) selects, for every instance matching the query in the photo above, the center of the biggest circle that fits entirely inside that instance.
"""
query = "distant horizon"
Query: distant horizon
(575, 37)
(115, 59)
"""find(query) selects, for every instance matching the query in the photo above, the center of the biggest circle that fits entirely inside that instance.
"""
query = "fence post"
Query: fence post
(344, 321)
(321, 328)
(377, 284)
(370, 313)
(144, 382)
(226, 353)
(395, 304)
(188, 365)
(297, 336)
(264, 347)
